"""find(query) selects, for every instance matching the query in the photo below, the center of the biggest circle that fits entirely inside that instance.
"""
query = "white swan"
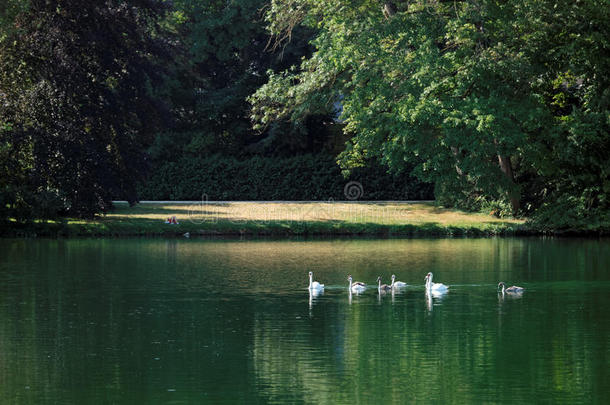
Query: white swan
(435, 288)
(314, 285)
(355, 286)
(382, 287)
(397, 284)
(510, 290)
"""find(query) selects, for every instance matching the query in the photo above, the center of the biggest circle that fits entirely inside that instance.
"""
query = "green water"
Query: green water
(201, 321)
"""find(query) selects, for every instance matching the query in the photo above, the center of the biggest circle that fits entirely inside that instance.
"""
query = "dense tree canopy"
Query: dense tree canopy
(496, 100)
(226, 55)
(77, 101)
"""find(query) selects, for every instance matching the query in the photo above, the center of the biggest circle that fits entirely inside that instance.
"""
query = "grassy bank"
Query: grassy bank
(279, 218)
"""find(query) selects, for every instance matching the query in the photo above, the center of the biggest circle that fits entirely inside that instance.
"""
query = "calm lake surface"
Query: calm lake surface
(115, 321)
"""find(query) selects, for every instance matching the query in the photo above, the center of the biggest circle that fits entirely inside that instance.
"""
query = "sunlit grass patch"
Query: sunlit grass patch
(308, 217)
(278, 218)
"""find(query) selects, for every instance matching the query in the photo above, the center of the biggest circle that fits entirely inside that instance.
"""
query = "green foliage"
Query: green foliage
(455, 194)
(226, 57)
(490, 100)
(24, 204)
(8, 11)
(497, 208)
(306, 177)
(570, 214)
(76, 102)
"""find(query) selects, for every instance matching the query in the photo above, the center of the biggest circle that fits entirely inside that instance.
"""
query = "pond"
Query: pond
(222, 321)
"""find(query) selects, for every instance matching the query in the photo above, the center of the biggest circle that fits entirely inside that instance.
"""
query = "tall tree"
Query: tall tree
(227, 55)
(464, 87)
(77, 99)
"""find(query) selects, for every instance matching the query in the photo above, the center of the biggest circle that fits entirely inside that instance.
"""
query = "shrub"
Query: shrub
(305, 177)
(24, 204)
(571, 214)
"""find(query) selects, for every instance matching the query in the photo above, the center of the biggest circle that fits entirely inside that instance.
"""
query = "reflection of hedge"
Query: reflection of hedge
(308, 177)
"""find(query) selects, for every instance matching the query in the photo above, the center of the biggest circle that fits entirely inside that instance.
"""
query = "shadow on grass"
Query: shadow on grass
(185, 212)
(388, 203)
(501, 223)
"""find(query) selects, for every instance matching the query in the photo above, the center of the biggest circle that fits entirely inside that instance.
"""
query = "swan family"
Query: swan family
(431, 287)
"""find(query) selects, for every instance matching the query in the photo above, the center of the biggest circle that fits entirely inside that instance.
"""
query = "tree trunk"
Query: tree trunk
(455, 152)
(507, 169)
(389, 9)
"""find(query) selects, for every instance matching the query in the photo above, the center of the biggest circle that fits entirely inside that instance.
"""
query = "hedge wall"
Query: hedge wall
(306, 177)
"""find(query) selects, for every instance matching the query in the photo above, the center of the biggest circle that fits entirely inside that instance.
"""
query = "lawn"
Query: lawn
(283, 219)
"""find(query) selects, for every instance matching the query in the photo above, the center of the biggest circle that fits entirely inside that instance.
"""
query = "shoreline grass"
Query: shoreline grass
(282, 219)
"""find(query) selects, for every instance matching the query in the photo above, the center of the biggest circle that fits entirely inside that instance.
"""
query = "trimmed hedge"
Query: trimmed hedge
(306, 177)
